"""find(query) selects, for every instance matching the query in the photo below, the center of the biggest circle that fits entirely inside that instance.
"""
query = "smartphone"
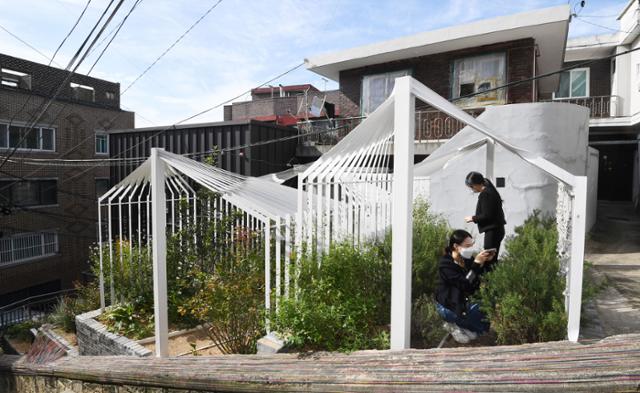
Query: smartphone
(493, 250)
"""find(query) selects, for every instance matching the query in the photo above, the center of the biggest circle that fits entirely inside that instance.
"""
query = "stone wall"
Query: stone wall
(95, 340)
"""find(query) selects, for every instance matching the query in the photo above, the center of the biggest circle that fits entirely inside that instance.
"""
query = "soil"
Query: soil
(20, 345)
(70, 337)
(182, 345)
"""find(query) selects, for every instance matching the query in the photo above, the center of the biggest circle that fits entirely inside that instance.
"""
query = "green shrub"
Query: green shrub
(130, 320)
(86, 298)
(22, 331)
(427, 328)
(430, 236)
(522, 297)
(230, 302)
(342, 302)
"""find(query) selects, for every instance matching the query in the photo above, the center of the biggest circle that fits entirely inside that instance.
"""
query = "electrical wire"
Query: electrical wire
(45, 107)
(171, 46)
(601, 26)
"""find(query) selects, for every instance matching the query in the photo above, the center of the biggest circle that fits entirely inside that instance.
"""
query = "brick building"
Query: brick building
(49, 211)
(455, 62)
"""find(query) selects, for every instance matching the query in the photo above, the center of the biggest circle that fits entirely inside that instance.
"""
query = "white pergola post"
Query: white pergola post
(402, 210)
(578, 230)
(159, 212)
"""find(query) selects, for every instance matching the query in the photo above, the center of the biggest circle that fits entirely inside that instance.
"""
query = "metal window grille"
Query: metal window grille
(27, 246)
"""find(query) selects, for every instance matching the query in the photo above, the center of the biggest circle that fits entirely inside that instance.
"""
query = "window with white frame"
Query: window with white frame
(471, 75)
(573, 84)
(377, 88)
(38, 138)
(27, 193)
(102, 142)
(27, 246)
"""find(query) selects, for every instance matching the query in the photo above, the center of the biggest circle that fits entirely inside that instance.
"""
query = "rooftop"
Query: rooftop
(548, 27)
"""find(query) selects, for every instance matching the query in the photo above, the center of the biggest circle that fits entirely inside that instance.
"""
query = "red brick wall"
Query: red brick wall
(435, 70)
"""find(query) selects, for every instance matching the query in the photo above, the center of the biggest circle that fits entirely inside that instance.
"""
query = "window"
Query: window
(573, 84)
(377, 88)
(102, 186)
(27, 246)
(82, 92)
(102, 143)
(39, 138)
(16, 79)
(110, 95)
(477, 74)
(29, 192)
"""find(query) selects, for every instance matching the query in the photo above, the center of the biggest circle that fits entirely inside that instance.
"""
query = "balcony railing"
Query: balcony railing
(431, 125)
(599, 106)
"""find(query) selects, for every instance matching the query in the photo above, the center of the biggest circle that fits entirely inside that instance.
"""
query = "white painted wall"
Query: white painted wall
(621, 85)
(555, 131)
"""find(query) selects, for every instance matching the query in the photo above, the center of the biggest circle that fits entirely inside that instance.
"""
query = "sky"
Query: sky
(241, 43)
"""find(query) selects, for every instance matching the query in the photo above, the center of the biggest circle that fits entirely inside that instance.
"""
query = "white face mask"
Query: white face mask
(466, 253)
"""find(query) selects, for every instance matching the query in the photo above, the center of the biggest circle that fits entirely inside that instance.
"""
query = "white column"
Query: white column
(578, 231)
(402, 210)
(267, 271)
(159, 211)
(490, 161)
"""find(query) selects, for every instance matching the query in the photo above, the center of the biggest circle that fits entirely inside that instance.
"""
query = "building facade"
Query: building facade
(466, 64)
(49, 214)
(610, 87)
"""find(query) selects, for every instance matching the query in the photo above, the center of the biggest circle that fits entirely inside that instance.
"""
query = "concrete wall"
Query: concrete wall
(555, 131)
(94, 339)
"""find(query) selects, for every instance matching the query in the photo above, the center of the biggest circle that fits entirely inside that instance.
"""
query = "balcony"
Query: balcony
(600, 107)
(431, 126)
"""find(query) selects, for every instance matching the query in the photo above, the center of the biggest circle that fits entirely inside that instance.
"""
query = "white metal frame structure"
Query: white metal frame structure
(350, 193)
(158, 197)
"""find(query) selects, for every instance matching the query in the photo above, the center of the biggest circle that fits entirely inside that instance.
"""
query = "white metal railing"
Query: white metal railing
(27, 246)
(599, 106)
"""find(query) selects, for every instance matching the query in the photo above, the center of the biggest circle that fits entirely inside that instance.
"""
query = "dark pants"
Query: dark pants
(474, 320)
(492, 239)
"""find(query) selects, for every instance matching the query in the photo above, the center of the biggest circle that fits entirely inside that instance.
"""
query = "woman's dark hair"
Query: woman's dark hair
(457, 237)
(476, 178)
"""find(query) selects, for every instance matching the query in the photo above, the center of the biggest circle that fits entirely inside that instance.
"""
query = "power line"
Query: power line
(70, 31)
(171, 46)
(78, 53)
(25, 43)
(601, 26)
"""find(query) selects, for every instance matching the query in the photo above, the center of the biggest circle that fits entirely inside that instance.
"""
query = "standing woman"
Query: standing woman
(489, 214)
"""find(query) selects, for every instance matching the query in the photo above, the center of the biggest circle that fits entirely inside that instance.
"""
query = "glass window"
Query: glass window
(47, 139)
(477, 74)
(102, 186)
(377, 88)
(48, 192)
(28, 193)
(573, 84)
(37, 139)
(4, 136)
(27, 246)
(102, 145)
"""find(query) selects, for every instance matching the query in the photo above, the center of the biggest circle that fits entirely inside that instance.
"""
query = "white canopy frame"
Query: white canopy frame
(158, 199)
(330, 208)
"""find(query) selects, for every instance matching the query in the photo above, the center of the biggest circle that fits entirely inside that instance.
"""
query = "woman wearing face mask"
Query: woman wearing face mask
(489, 214)
(459, 274)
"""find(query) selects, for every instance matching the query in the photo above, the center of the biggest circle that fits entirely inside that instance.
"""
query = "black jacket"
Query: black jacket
(489, 213)
(456, 283)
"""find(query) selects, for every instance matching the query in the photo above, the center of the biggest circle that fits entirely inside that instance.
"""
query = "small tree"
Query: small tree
(522, 297)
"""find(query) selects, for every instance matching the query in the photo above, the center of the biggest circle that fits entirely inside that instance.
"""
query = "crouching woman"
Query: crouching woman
(459, 277)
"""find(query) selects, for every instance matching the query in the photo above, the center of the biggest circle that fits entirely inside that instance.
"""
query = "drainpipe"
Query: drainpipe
(534, 82)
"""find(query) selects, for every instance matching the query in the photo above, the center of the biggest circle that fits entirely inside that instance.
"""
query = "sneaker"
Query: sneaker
(472, 335)
(457, 333)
